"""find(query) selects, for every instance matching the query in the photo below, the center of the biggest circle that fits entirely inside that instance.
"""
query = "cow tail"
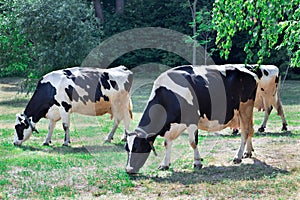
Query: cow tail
(130, 109)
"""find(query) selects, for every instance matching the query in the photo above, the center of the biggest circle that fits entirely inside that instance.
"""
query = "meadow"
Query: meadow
(92, 169)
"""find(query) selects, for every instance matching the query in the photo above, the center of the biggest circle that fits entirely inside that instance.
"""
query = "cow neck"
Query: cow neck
(30, 113)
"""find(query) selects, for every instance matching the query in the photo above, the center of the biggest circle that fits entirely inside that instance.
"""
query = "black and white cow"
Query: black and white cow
(268, 94)
(83, 90)
(186, 98)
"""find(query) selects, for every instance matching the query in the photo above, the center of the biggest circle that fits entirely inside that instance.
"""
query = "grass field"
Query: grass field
(92, 169)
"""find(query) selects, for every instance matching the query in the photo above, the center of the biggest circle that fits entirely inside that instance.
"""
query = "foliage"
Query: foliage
(14, 48)
(62, 32)
(174, 15)
(56, 33)
(205, 32)
(270, 24)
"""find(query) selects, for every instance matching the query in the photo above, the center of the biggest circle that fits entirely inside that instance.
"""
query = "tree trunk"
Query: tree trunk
(98, 10)
(193, 8)
(120, 6)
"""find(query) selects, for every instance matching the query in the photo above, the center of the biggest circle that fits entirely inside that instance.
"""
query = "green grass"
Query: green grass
(92, 169)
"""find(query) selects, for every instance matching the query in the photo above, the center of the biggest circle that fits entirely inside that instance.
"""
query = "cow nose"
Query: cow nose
(17, 144)
(130, 170)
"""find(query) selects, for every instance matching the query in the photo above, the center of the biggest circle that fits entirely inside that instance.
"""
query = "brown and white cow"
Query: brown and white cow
(268, 94)
(83, 90)
(186, 98)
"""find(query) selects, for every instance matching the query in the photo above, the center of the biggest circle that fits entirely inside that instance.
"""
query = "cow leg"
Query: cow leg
(166, 161)
(113, 130)
(281, 114)
(264, 124)
(51, 126)
(247, 131)
(193, 139)
(172, 134)
(126, 125)
(66, 126)
(67, 134)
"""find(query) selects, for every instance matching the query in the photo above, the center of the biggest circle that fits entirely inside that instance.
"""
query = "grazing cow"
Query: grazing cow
(186, 98)
(268, 95)
(88, 91)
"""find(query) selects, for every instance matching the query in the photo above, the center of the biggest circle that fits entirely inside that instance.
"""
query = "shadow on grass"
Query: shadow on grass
(216, 174)
(256, 134)
(89, 149)
(275, 134)
(14, 102)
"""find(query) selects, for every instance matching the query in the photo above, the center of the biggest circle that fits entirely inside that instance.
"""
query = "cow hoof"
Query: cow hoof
(261, 129)
(284, 128)
(65, 145)
(107, 140)
(235, 132)
(46, 144)
(198, 166)
(237, 161)
(163, 168)
(247, 155)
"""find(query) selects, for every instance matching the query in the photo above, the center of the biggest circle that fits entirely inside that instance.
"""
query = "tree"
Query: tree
(14, 49)
(193, 8)
(205, 33)
(98, 10)
(270, 24)
(120, 6)
(61, 33)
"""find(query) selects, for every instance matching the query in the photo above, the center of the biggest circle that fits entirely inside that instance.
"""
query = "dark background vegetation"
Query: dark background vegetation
(38, 36)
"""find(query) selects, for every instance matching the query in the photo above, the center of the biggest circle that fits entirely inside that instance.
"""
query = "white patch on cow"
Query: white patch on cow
(266, 80)
(165, 81)
(201, 71)
(130, 141)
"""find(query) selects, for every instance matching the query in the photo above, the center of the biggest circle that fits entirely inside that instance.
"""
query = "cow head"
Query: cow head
(23, 129)
(138, 147)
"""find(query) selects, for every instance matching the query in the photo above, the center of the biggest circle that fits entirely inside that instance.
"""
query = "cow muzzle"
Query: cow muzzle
(18, 143)
(135, 162)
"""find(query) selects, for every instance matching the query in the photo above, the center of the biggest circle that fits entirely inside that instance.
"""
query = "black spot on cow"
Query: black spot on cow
(105, 98)
(69, 74)
(98, 92)
(277, 79)
(72, 93)
(128, 83)
(104, 80)
(20, 130)
(114, 84)
(66, 106)
(255, 69)
(42, 99)
(266, 72)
